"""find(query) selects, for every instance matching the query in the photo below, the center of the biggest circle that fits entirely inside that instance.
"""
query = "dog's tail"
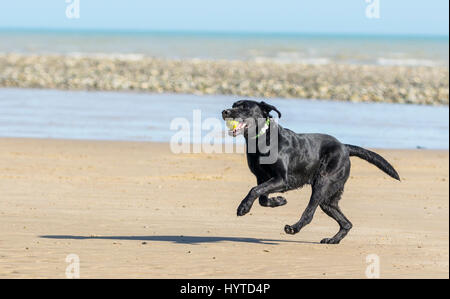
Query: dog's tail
(374, 159)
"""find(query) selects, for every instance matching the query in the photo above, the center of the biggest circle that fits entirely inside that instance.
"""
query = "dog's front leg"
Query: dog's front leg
(271, 186)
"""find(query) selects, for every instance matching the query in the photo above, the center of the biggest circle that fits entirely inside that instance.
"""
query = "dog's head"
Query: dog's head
(247, 114)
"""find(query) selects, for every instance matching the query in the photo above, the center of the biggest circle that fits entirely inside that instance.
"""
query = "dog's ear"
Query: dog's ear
(267, 108)
(238, 103)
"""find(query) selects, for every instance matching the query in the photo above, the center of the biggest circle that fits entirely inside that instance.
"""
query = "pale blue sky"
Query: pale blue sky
(310, 16)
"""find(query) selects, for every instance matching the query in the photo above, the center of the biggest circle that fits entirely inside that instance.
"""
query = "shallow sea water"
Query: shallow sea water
(128, 116)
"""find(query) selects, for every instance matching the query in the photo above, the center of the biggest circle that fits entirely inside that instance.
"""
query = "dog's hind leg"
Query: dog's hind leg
(331, 208)
(272, 202)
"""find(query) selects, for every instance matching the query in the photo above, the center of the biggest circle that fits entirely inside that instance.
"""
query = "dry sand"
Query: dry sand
(136, 210)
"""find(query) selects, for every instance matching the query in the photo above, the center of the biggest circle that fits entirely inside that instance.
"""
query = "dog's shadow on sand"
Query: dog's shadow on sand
(192, 240)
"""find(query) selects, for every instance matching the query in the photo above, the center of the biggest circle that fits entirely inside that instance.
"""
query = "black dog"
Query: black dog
(315, 159)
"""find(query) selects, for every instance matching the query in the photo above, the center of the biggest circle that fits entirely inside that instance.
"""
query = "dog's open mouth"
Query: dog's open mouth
(235, 127)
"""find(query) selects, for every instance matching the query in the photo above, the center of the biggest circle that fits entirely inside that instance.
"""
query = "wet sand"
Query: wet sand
(136, 210)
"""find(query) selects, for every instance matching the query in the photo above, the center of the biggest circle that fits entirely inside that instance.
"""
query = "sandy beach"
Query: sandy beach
(137, 210)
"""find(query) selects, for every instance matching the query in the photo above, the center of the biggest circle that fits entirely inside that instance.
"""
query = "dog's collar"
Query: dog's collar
(264, 129)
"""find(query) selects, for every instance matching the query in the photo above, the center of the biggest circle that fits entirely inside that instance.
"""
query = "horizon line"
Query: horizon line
(223, 32)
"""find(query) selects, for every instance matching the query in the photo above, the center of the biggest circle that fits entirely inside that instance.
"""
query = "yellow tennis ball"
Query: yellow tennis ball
(232, 124)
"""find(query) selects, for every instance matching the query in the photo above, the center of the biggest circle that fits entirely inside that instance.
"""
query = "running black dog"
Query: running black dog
(315, 159)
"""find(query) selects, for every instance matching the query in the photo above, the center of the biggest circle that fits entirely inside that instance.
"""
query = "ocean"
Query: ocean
(284, 48)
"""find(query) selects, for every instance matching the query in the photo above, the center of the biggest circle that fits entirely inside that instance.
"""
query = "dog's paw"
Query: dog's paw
(273, 202)
(243, 209)
(330, 241)
(278, 201)
(290, 230)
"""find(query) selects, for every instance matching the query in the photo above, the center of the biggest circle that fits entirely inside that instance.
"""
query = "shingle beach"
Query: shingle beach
(343, 82)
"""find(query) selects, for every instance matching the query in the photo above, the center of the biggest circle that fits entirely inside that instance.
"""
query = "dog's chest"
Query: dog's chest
(295, 177)
(260, 170)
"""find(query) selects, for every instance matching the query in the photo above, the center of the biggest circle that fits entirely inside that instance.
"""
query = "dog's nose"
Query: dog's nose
(225, 113)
